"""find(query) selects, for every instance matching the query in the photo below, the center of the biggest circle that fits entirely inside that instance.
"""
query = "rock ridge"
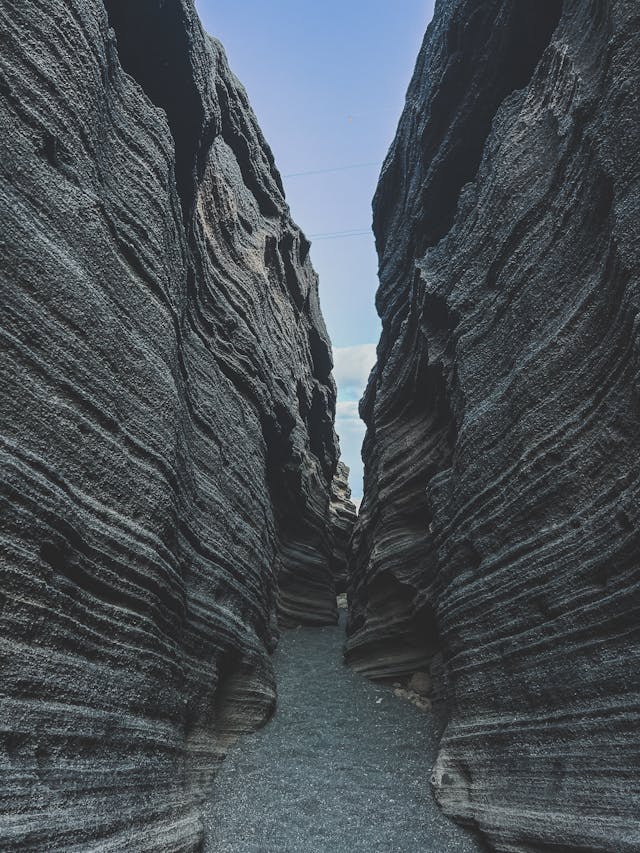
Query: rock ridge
(497, 542)
(342, 520)
(167, 442)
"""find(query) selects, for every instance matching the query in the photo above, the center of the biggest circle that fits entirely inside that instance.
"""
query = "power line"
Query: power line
(334, 169)
(338, 235)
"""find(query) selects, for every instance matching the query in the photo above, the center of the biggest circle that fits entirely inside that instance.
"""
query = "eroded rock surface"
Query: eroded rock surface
(167, 423)
(342, 519)
(498, 544)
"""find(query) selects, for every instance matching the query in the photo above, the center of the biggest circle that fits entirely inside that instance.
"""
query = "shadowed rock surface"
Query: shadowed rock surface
(498, 542)
(342, 519)
(167, 444)
(342, 766)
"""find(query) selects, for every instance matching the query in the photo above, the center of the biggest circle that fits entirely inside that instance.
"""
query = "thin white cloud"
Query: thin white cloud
(352, 366)
(347, 411)
(351, 431)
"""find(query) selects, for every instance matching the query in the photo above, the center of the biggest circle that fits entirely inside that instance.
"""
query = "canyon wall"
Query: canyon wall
(341, 523)
(167, 443)
(498, 543)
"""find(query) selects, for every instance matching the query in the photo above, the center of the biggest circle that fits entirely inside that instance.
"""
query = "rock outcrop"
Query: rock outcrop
(342, 520)
(498, 543)
(167, 442)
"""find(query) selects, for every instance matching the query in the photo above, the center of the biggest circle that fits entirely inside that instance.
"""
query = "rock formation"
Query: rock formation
(498, 543)
(167, 443)
(342, 520)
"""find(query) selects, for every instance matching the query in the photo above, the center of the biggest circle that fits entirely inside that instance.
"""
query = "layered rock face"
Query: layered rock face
(167, 443)
(342, 520)
(499, 538)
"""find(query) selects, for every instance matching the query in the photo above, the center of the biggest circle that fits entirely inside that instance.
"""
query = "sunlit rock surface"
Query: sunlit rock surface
(167, 444)
(499, 538)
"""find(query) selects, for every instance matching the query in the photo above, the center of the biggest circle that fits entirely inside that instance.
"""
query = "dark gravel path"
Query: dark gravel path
(336, 769)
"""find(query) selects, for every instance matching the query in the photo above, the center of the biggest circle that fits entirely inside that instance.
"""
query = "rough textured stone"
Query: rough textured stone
(166, 412)
(499, 537)
(342, 520)
(420, 682)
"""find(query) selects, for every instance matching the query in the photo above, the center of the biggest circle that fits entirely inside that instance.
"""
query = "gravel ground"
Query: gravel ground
(343, 766)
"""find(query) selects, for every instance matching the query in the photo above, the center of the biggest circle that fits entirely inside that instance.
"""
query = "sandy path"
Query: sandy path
(343, 766)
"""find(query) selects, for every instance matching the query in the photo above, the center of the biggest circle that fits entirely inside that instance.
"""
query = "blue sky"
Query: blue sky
(327, 81)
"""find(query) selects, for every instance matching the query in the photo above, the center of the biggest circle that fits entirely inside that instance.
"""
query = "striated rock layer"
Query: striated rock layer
(167, 444)
(342, 519)
(499, 537)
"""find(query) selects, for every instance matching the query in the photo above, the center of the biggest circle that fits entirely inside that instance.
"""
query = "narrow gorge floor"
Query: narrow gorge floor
(343, 766)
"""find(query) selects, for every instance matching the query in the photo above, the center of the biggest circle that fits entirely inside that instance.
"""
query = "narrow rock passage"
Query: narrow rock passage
(343, 766)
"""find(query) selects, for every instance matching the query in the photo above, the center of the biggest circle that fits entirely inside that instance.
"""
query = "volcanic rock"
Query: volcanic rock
(498, 543)
(420, 682)
(166, 422)
(342, 515)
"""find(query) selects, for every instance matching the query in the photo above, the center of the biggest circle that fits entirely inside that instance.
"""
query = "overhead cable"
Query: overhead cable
(334, 169)
(337, 235)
